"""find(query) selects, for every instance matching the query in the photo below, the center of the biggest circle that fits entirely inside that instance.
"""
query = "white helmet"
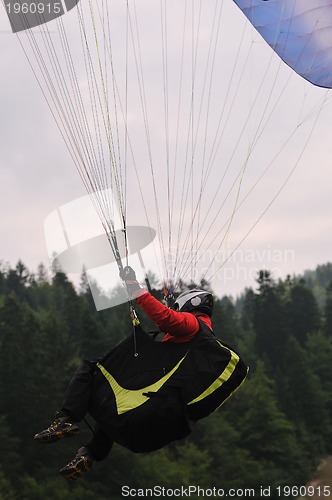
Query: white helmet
(195, 300)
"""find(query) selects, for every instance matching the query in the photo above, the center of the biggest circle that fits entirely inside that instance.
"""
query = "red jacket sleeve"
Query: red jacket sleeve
(179, 326)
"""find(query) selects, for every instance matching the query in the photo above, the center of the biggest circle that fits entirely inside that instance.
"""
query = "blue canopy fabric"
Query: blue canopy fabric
(299, 31)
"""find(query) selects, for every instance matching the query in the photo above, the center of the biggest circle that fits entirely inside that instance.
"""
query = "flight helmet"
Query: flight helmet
(198, 300)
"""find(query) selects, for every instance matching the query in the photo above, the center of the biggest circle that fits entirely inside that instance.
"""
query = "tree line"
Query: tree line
(273, 432)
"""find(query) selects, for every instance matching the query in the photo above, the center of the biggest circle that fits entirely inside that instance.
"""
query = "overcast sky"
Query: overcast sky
(37, 175)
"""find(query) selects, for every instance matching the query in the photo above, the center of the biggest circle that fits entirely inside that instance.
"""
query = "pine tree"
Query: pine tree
(302, 397)
(303, 312)
(273, 430)
(270, 322)
(247, 310)
(225, 321)
(12, 362)
(267, 432)
(319, 355)
(328, 311)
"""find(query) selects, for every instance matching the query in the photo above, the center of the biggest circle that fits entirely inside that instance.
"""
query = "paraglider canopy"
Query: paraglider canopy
(299, 31)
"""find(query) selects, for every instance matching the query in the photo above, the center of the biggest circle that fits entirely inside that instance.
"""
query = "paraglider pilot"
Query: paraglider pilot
(182, 326)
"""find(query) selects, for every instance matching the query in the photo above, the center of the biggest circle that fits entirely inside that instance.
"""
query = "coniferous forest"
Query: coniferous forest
(271, 435)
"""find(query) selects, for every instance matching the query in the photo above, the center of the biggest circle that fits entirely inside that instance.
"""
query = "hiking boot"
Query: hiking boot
(61, 427)
(81, 464)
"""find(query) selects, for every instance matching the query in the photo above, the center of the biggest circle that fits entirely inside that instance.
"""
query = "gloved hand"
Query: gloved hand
(128, 276)
(128, 273)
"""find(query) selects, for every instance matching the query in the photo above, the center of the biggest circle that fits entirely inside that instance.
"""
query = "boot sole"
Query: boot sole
(53, 438)
(75, 472)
